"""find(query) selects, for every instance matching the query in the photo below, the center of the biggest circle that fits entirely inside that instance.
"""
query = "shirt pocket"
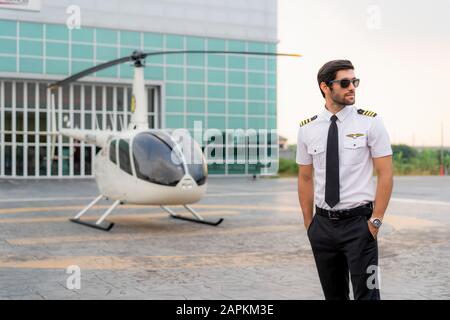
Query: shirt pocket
(318, 154)
(354, 151)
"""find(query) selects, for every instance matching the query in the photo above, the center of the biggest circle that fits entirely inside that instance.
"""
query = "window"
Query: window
(124, 156)
(19, 94)
(76, 97)
(8, 95)
(112, 152)
(31, 92)
(43, 96)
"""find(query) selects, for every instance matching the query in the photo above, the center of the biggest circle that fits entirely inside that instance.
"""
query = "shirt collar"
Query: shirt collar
(341, 115)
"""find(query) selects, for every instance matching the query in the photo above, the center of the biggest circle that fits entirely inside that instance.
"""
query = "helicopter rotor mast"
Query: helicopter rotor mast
(139, 105)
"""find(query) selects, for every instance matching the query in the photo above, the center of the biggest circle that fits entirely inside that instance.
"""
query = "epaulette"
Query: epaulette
(367, 113)
(303, 122)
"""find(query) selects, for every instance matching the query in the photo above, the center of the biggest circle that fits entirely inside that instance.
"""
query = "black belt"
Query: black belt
(364, 210)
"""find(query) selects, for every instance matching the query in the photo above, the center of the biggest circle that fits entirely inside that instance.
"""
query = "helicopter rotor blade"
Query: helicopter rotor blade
(138, 55)
(154, 53)
(89, 71)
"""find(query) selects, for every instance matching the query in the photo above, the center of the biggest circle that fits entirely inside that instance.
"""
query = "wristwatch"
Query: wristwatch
(375, 222)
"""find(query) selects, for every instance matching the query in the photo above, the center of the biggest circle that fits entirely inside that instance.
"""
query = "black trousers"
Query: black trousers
(341, 247)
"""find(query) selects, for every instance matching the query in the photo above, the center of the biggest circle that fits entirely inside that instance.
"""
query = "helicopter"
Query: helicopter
(140, 165)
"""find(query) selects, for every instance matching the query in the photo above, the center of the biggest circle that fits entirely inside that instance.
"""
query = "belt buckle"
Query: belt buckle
(333, 215)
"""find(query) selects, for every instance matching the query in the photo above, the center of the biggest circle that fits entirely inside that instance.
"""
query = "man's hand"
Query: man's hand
(373, 230)
(307, 224)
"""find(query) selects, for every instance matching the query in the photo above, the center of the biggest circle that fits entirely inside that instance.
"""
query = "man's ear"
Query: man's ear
(324, 87)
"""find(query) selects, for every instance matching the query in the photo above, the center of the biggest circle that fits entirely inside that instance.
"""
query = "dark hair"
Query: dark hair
(329, 70)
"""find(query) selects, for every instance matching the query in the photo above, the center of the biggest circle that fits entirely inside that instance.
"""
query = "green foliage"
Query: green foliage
(406, 152)
(407, 161)
(287, 167)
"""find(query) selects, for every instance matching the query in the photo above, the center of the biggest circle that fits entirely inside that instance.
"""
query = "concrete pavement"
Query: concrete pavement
(260, 251)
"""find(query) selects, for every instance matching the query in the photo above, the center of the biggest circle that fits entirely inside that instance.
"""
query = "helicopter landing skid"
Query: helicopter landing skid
(101, 223)
(198, 218)
(105, 225)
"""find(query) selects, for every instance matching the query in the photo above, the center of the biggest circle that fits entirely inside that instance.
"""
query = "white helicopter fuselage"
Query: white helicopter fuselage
(116, 184)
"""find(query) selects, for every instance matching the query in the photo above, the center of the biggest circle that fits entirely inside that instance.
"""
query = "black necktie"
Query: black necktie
(332, 173)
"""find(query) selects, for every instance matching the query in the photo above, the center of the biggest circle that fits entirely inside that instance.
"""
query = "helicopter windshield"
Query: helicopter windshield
(154, 160)
(194, 158)
(158, 160)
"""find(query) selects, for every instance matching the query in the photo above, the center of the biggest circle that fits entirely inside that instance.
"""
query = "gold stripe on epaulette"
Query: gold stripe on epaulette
(306, 121)
(367, 113)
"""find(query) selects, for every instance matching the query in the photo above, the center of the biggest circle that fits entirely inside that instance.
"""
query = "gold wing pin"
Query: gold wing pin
(355, 135)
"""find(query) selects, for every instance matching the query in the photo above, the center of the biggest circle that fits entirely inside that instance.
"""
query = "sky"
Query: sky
(401, 53)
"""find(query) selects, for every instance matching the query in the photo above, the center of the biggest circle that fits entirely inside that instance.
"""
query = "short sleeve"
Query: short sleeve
(303, 157)
(378, 139)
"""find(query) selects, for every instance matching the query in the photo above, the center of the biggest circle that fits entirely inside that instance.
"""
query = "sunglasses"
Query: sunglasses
(346, 82)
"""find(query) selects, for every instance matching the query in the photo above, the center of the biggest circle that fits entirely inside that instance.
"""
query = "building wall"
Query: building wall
(232, 19)
(221, 91)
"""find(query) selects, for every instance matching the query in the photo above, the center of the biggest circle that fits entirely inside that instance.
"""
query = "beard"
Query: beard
(343, 100)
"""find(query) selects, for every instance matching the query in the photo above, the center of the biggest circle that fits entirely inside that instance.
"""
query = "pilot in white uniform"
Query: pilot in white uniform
(339, 146)
(362, 136)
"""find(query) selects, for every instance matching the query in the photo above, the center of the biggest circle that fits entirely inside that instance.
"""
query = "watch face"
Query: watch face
(376, 223)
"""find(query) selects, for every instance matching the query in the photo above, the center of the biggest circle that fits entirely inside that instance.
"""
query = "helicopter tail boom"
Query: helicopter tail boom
(95, 137)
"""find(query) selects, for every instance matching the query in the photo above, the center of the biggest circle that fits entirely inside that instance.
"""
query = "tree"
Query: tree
(406, 152)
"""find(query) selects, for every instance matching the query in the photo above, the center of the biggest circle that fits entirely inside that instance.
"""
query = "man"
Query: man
(336, 153)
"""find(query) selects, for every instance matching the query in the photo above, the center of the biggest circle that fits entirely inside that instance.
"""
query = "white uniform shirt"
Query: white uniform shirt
(361, 138)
